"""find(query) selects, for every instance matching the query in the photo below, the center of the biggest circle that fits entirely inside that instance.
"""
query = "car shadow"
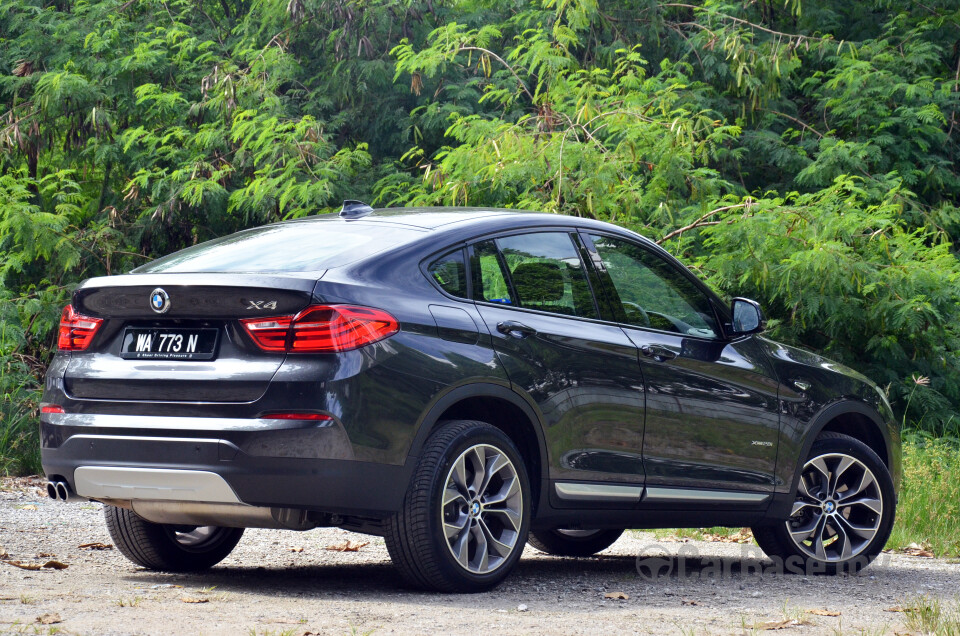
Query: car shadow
(377, 581)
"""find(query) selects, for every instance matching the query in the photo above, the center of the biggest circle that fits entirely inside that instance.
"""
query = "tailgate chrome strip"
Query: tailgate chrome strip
(177, 422)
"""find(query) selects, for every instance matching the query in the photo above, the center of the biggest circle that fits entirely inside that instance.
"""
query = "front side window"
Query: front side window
(547, 273)
(653, 292)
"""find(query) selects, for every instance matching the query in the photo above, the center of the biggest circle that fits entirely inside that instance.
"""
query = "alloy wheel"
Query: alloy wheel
(838, 508)
(196, 538)
(482, 509)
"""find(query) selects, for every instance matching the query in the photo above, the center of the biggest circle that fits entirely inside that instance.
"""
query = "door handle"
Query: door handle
(515, 329)
(658, 353)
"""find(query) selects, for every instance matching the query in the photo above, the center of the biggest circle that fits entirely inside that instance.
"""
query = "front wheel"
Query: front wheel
(166, 547)
(574, 543)
(842, 513)
(464, 519)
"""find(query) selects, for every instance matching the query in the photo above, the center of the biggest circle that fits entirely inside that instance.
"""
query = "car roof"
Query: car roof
(427, 218)
(466, 223)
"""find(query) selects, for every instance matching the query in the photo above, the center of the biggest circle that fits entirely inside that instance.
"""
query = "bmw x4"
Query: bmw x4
(459, 382)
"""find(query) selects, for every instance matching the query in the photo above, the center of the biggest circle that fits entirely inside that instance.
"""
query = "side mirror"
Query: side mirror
(747, 317)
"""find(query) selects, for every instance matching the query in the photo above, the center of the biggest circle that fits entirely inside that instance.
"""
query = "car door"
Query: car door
(712, 421)
(534, 294)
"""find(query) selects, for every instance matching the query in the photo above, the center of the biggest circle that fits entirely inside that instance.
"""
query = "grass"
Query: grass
(930, 615)
(928, 512)
(129, 602)
(19, 422)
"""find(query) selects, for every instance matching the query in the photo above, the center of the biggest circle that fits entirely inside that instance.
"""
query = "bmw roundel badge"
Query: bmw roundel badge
(159, 301)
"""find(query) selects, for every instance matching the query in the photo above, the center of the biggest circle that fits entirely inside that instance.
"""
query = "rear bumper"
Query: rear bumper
(260, 462)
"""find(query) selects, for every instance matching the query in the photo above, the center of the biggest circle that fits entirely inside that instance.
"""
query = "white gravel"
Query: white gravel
(278, 582)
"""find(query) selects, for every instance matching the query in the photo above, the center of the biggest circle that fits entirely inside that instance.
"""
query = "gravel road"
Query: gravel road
(289, 583)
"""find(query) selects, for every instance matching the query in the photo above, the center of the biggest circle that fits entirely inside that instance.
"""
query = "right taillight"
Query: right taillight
(76, 330)
(322, 329)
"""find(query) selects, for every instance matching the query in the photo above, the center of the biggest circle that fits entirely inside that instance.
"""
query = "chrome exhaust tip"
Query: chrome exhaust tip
(52, 490)
(63, 491)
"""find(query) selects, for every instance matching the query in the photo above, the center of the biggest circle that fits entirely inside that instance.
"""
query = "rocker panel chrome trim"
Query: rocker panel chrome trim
(685, 495)
(597, 492)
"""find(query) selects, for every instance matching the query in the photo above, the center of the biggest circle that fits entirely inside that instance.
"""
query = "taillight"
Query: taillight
(322, 329)
(76, 330)
(51, 408)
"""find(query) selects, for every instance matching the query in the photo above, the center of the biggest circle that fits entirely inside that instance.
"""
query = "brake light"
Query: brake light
(76, 330)
(50, 408)
(322, 329)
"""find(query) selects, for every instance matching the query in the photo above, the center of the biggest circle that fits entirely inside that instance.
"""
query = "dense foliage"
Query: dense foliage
(800, 153)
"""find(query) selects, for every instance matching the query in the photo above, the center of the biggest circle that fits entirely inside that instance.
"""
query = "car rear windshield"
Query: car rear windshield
(291, 247)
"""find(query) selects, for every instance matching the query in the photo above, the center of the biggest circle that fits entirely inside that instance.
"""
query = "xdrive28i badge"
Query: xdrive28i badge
(159, 301)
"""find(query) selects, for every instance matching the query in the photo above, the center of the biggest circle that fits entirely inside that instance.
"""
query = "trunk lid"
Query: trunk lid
(190, 304)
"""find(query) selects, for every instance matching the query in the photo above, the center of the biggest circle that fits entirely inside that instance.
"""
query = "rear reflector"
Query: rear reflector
(316, 417)
(51, 409)
(322, 329)
(76, 330)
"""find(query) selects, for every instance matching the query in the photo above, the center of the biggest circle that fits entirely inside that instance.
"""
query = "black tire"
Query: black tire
(415, 535)
(573, 543)
(775, 538)
(168, 548)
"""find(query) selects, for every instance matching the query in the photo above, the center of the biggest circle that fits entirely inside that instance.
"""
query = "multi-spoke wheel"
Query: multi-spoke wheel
(843, 509)
(482, 508)
(167, 547)
(465, 516)
(575, 543)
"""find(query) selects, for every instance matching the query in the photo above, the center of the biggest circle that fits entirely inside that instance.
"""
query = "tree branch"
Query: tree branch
(795, 120)
(752, 25)
(702, 221)
(502, 61)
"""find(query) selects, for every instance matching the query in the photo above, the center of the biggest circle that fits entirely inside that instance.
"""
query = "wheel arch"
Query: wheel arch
(499, 406)
(849, 417)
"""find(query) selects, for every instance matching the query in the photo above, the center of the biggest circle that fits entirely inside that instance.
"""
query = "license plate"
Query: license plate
(169, 344)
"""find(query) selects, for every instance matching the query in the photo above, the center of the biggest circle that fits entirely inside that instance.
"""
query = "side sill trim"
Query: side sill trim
(109, 482)
(597, 492)
(685, 495)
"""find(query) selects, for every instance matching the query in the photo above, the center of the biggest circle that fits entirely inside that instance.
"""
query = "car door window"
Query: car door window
(489, 281)
(653, 292)
(547, 273)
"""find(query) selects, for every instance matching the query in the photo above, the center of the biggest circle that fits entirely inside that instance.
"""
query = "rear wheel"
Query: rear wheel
(465, 516)
(167, 547)
(575, 543)
(842, 513)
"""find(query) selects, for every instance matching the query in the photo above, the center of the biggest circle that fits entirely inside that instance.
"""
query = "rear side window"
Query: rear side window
(450, 272)
(290, 247)
(547, 273)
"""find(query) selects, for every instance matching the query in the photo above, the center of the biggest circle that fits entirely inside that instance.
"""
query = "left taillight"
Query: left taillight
(76, 330)
(322, 329)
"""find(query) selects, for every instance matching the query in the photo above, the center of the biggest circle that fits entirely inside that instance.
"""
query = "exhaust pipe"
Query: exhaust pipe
(60, 491)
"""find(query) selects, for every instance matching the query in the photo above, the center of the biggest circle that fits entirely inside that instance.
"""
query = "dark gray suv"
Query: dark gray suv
(460, 382)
